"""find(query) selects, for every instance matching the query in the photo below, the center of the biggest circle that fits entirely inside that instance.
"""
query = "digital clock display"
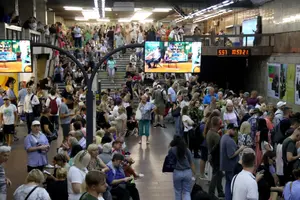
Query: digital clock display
(233, 52)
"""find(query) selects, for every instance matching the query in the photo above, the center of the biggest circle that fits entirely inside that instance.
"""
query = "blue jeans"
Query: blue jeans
(182, 182)
(228, 177)
(144, 127)
(178, 126)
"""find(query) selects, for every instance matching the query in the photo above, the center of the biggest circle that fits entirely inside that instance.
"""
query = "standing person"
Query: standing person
(160, 98)
(21, 97)
(36, 144)
(8, 119)
(29, 101)
(65, 116)
(119, 42)
(244, 184)
(110, 36)
(146, 108)
(184, 169)
(229, 156)
(213, 145)
(111, 65)
(290, 154)
(4, 181)
(96, 185)
(53, 102)
(11, 94)
(77, 36)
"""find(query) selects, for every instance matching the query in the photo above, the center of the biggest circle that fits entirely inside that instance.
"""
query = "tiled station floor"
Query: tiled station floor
(149, 159)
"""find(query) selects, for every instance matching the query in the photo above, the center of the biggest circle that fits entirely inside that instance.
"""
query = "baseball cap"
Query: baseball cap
(35, 122)
(280, 104)
(5, 98)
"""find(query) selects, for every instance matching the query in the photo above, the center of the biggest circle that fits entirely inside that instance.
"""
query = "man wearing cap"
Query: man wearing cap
(8, 120)
(36, 144)
(229, 156)
(279, 112)
(160, 99)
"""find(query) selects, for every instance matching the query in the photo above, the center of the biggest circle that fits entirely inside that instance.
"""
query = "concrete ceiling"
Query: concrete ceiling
(186, 5)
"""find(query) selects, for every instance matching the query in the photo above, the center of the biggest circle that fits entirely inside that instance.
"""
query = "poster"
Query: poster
(283, 81)
(297, 85)
(290, 84)
(273, 80)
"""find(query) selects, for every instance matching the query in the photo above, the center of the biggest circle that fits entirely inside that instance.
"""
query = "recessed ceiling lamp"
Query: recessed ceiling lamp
(103, 20)
(124, 20)
(91, 14)
(146, 21)
(161, 10)
(108, 9)
(201, 12)
(73, 8)
(141, 15)
(80, 19)
(137, 9)
(212, 16)
(102, 9)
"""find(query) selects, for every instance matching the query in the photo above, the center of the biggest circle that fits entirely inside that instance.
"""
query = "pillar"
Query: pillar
(33, 8)
(26, 9)
(10, 6)
(51, 17)
(41, 11)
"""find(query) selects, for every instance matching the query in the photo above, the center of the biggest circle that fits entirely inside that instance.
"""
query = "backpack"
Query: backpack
(276, 134)
(37, 109)
(53, 106)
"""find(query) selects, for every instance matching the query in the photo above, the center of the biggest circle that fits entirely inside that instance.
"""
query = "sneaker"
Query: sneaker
(163, 126)
(157, 125)
(140, 142)
(203, 177)
(49, 166)
(147, 142)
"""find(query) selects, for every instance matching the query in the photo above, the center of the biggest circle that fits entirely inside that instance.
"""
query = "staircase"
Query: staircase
(120, 79)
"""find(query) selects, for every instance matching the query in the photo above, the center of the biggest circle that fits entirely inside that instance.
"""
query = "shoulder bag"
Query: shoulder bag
(169, 163)
(28, 195)
(138, 113)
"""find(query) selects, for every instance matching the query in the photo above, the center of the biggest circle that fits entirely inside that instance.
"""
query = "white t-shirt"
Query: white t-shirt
(244, 186)
(231, 117)
(8, 113)
(186, 120)
(172, 33)
(75, 175)
(39, 193)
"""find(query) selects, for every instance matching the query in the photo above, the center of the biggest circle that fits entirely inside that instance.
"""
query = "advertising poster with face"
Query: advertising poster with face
(273, 80)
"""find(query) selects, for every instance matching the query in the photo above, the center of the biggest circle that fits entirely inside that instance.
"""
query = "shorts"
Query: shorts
(9, 129)
(204, 153)
(160, 110)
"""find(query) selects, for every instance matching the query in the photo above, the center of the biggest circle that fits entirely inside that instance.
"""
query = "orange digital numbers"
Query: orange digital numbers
(233, 52)
(222, 52)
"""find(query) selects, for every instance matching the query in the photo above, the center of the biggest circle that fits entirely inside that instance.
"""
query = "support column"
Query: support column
(41, 11)
(27, 8)
(51, 17)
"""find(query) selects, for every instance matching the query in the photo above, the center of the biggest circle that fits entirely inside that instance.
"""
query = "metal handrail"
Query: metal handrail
(242, 40)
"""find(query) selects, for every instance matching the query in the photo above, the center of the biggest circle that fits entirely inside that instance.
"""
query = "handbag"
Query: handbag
(169, 163)
(28, 195)
(53, 136)
(138, 113)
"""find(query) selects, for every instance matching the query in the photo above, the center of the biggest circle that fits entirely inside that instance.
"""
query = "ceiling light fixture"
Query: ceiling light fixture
(103, 20)
(73, 8)
(102, 9)
(140, 16)
(161, 10)
(108, 9)
(91, 14)
(137, 9)
(212, 16)
(124, 20)
(80, 19)
(209, 9)
(146, 21)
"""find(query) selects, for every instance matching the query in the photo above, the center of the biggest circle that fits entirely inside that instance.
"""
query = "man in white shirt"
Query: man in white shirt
(244, 185)
(8, 119)
(153, 57)
(30, 99)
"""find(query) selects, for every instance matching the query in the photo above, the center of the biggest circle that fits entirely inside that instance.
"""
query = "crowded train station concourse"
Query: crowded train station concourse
(149, 100)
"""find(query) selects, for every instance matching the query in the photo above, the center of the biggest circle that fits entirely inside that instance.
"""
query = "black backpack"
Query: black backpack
(37, 109)
(277, 135)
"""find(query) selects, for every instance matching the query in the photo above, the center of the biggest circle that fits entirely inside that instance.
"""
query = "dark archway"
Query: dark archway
(89, 81)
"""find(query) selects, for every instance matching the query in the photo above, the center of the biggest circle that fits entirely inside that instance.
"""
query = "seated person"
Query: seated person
(121, 186)
(153, 57)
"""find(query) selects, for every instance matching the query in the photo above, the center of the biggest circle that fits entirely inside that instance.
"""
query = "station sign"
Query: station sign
(233, 52)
